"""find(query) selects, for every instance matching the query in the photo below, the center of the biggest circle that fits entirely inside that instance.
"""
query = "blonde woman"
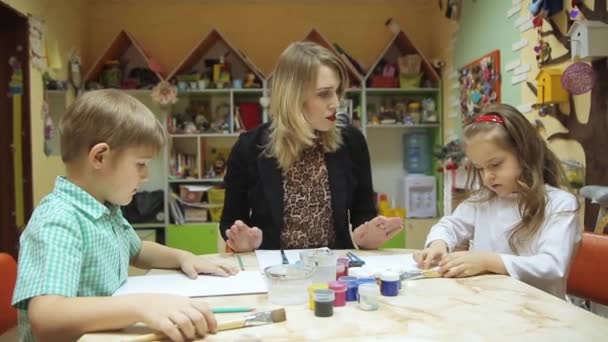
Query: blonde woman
(300, 181)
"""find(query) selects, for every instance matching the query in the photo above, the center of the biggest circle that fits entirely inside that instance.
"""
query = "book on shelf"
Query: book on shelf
(183, 165)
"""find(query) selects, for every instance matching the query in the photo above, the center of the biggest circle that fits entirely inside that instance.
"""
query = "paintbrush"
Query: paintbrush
(285, 261)
(251, 320)
(422, 274)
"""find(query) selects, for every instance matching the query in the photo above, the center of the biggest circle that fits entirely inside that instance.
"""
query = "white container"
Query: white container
(369, 297)
(359, 272)
(288, 284)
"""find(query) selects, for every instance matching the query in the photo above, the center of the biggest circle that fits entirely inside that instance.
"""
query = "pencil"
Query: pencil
(238, 257)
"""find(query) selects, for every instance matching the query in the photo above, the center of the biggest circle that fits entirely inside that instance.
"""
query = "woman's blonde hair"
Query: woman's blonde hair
(109, 116)
(539, 166)
(294, 77)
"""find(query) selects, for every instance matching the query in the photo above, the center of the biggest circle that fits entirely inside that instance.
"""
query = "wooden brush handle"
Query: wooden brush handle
(231, 324)
(159, 336)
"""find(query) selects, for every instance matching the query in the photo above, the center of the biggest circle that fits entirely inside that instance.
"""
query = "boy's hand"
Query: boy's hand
(431, 255)
(180, 318)
(463, 264)
(372, 234)
(242, 238)
(192, 265)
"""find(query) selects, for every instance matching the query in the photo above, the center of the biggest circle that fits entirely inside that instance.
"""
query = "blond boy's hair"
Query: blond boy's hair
(109, 116)
(294, 77)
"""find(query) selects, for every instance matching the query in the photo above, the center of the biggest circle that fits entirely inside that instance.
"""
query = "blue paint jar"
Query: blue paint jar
(351, 288)
(390, 284)
(366, 280)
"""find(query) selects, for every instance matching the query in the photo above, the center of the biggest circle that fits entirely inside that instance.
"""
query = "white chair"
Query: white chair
(598, 194)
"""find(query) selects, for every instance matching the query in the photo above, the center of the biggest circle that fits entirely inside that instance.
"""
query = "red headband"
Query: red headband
(490, 117)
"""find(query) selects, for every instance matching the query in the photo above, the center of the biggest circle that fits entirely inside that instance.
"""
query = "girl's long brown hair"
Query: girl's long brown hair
(539, 166)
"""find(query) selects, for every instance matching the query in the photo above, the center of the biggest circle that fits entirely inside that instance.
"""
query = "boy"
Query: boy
(77, 246)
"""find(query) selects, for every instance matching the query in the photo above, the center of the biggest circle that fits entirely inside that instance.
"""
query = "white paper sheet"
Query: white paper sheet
(268, 257)
(405, 261)
(245, 282)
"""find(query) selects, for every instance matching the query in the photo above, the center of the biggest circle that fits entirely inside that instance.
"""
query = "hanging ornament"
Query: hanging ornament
(164, 93)
(15, 85)
(75, 72)
(37, 43)
(578, 78)
(543, 52)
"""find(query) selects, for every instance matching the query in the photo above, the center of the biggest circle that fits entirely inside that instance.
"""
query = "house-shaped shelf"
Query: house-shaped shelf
(135, 64)
(398, 46)
(208, 51)
(356, 78)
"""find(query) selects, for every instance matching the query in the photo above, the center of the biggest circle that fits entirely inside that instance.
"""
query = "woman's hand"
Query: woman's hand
(373, 234)
(242, 238)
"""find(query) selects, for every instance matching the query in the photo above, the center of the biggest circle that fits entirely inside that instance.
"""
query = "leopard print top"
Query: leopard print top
(307, 213)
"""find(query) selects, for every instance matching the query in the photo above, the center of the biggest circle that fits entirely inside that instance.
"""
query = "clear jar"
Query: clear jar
(288, 284)
(369, 296)
(323, 260)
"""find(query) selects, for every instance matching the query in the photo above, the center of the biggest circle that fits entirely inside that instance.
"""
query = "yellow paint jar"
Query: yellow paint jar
(311, 293)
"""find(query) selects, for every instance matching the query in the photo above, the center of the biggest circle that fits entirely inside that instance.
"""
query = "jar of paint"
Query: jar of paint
(324, 303)
(402, 271)
(288, 283)
(311, 293)
(341, 270)
(351, 287)
(366, 280)
(390, 283)
(339, 288)
(359, 272)
(369, 296)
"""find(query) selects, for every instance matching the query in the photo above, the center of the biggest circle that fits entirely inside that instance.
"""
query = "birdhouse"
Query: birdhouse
(549, 86)
(588, 39)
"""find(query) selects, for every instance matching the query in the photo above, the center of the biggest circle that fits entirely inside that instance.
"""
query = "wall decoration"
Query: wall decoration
(578, 78)
(37, 43)
(479, 84)
(590, 134)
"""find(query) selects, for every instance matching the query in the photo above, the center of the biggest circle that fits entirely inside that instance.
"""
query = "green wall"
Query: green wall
(484, 27)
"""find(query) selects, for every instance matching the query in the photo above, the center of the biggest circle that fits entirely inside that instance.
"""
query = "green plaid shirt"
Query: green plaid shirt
(73, 246)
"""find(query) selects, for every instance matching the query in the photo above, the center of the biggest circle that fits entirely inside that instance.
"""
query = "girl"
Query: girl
(519, 220)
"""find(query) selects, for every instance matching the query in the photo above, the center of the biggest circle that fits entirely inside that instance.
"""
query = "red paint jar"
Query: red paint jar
(339, 288)
(341, 270)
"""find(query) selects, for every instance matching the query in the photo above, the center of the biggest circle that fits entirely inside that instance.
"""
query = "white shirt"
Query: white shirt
(544, 262)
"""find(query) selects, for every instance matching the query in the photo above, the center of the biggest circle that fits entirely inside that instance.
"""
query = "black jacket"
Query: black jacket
(254, 187)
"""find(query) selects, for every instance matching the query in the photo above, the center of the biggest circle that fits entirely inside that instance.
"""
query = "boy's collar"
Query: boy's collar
(81, 199)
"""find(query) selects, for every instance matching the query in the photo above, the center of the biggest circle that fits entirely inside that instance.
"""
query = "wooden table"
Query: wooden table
(484, 308)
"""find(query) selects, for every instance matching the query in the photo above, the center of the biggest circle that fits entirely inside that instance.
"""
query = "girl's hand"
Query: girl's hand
(431, 255)
(192, 265)
(464, 264)
(242, 238)
(373, 234)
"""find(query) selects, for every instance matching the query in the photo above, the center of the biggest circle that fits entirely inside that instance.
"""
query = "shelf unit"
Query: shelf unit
(124, 46)
(384, 140)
